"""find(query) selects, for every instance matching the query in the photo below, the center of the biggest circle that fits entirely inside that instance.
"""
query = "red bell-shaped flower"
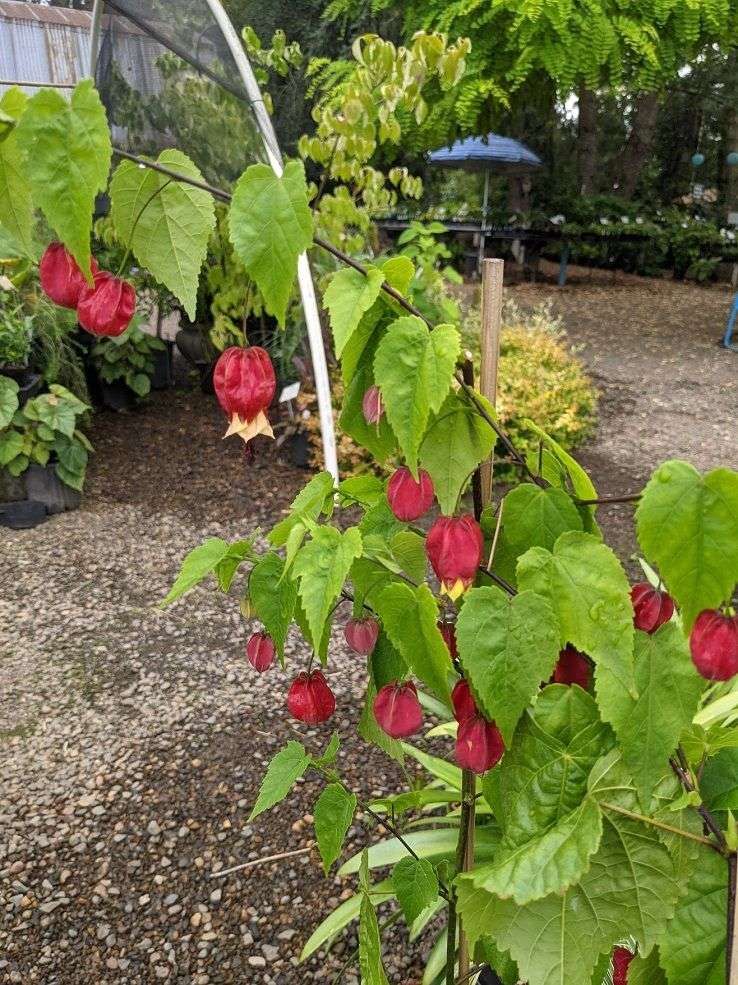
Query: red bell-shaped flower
(454, 546)
(372, 406)
(714, 645)
(107, 307)
(651, 607)
(397, 709)
(61, 278)
(310, 699)
(621, 958)
(244, 383)
(407, 498)
(361, 635)
(572, 668)
(463, 701)
(479, 744)
(260, 651)
(448, 632)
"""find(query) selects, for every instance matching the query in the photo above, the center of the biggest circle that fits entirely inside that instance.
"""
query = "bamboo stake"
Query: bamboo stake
(492, 271)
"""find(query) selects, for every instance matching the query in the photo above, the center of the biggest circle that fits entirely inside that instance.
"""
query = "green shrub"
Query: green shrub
(15, 335)
(129, 357)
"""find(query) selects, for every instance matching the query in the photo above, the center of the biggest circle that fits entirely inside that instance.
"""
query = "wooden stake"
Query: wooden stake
(492, 272)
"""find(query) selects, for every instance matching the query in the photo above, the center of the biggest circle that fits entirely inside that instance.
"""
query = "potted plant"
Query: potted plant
(42, 443)
(16, 334)
(125, 366)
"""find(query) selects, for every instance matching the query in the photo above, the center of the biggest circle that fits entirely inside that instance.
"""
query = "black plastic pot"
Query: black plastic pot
(300, 450)
(29, 384)
(489, 977)
(22, 514)
(117, 395)
(45, 486)
(191, 343)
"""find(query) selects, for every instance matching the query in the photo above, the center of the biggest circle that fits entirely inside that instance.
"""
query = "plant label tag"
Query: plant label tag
(289, 392)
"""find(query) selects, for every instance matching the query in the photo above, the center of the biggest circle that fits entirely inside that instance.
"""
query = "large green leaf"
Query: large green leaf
(166, 223)
(321, 567)
(456, 441)
(416, 886)
(16, 204)
(334, 812)
(693, 948)
(648, 725)
(507, 646)
(413, 368)
(378, 438)
(370, 945)
(11, 445)
(543, 776)
(590, 595)
(551, 861)
(66, 148)
(434, 844)
(8, 400)
(348, 296)
(645, 970)
(198, 564)
(289, 764)
(719, 783)
(688, 526)
(581, 484)
(270, 225)
(410, 617)
(273, 596)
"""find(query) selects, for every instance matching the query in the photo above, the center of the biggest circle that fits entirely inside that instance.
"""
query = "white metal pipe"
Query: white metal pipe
(304, 276)
(94, 46)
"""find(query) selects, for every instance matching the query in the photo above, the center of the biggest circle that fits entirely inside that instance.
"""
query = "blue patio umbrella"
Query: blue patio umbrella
(490, 154)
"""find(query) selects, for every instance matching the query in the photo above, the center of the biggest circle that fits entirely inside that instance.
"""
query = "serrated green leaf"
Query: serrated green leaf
(273, 597)
(334, 812)
(409, 617)
(399, 271)
(590, 594)
(198, 564)
(289, 764)
(228, 566)
(692, 950)
(309, 503)
(456, 441)
(408, 550)
(378, 438)
(11, 445)
(550, 862)
(364, 489)
(66, 149)
(8, 400)
(370, 946)
(719, 782)
(166, 223)
(688, 526)
(645, 971)
(348, 296)
(386, 663)
(648, 725)
(270, 225)
(16, 204)
(321, 568)
(580, 482)
(413, 368)
(416, 886)
(507, 646)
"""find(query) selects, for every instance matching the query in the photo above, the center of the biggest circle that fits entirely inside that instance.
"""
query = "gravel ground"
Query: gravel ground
(134, 739)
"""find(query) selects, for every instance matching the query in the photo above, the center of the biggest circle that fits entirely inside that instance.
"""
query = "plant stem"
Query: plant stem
(468, 792)
(710, 823)
(700, 839)
(731, 958)
(604, 500)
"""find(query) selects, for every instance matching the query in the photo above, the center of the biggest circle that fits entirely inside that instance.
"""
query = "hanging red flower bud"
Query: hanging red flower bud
(479, 744)
(448, 632)
(244, 383)
(462, 701)
(572, 668)
(407, 498)
(61, 278)
(714, 645)
(454, 546)
(397, 709)
(107, 307)
(651, 607)
(621, 958)
(260, 651)
(310, 699)
(372, 406)
(361, 635)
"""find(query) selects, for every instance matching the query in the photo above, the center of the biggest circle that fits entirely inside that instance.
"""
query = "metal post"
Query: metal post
(304, 276)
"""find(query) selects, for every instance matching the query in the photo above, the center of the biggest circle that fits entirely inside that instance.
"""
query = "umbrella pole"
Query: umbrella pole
(482, 236)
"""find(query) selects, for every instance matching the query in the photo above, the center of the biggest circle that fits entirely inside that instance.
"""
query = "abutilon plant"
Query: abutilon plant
(397, 709)
(106, 308)
(245, 384)
(61, 278)
(714, 645)
(408, 498)
(362, 635)
(651, 607)
(260, 651)
(454, 545)
(572, 667)
(310, 699)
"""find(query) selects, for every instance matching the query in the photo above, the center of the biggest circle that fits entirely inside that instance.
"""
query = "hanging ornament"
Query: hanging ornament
(732, 159)
(697, 160)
